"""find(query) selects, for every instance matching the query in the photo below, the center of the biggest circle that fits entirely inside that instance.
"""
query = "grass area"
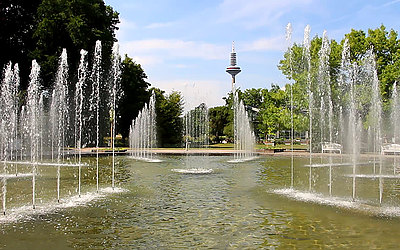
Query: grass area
(110, 149)
(282, 146)
(223, 146)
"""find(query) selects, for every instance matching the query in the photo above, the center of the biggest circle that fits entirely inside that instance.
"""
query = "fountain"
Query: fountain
(143, 133)
(196, 128)
(115, 94)
(8, 126)
(95, 100)
(80, 85)
(334, 181)
(196, 137)
(59, 114)
(175, 207)
(35, 137)
(289, 41)
(244, 137)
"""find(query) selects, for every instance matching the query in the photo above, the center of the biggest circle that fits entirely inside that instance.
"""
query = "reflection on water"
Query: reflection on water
(230, 207)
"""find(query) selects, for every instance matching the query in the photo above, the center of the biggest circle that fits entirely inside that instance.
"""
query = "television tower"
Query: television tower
(233, 69)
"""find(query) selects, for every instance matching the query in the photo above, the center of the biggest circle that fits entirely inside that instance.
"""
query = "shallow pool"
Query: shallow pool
(236, 205)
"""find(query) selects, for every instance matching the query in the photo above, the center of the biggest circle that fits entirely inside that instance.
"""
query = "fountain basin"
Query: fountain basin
(193, 171)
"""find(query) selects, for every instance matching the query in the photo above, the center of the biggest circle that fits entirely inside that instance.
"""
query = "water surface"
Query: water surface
(234, 206)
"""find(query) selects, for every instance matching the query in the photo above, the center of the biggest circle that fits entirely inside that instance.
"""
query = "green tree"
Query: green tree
(169, 109)
(17, 19)
(219, 119)
(273, 113)
(386, 48)
(135, 94)
(252, 97)
(74, 25)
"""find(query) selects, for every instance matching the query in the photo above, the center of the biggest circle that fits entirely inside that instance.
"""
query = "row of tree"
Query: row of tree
(273, 105)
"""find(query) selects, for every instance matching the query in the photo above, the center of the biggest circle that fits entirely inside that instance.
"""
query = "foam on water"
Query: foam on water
(337, 164)
(239, 160)
(13, 176)
(374, 176)
(28, 213)
(339, 202)
(45, 163)
(193, 171)
(146, 159)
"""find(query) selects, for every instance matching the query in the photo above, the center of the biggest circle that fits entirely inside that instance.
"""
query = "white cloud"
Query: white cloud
(391, 3)
(157, 51)
(125, 28)
(266, 44)
(147, 60)
(177, 48)
(196, 92)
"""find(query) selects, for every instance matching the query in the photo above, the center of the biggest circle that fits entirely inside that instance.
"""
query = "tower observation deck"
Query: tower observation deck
(233, 69)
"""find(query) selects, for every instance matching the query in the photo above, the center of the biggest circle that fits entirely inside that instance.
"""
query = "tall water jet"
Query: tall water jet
(95, 100)
(395, 115)
(343, 86)
(395, 119)
(353, 74)
(6, 118)
(243, 132)
(376, 114)
(143, 135)
(14, 108)
(326, 107)
(80, 85)
(59, 113)
(23, 127)
(307, 57)
(325, 87)
(33, 115)
(9, 120)
(289, 41)
(41, 123)
(114, 95)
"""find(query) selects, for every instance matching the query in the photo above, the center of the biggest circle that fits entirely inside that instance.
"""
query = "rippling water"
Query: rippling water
(231, 207)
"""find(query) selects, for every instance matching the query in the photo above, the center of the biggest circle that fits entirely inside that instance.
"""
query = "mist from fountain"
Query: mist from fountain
(196, 137)
(196, 128)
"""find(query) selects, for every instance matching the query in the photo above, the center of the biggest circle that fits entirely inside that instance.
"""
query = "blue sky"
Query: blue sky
(184, 45)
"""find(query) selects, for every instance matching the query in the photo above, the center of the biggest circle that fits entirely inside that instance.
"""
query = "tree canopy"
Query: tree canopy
(74, 25)
(169, 109)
